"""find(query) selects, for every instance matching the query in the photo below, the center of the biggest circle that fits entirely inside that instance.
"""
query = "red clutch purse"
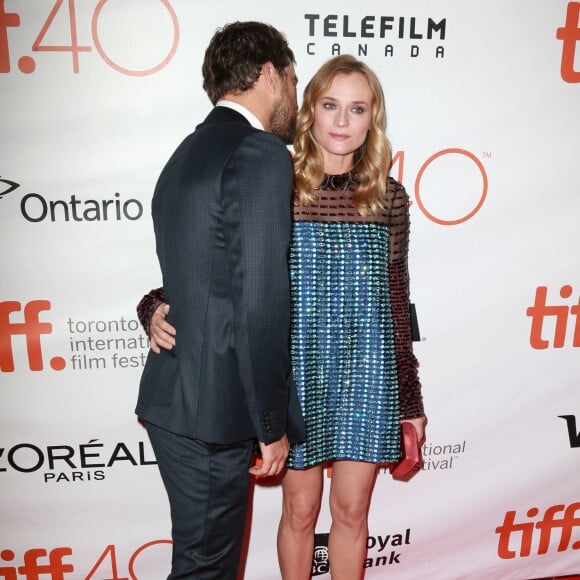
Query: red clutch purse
(411, 460)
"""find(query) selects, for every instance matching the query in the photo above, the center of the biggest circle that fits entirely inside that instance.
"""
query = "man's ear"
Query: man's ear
(271, 76)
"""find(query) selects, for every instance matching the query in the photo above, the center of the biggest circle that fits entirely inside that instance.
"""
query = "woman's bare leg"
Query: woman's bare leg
(350, 492)
(302, 492)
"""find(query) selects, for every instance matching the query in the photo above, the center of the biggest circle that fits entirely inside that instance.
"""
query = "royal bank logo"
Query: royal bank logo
(320, 563)
(382, 550)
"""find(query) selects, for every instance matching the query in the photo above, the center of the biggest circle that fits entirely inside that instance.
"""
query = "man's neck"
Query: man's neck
(243, 110)
(254, 104)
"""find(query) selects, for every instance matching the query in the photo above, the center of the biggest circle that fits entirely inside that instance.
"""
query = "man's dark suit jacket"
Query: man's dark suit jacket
(222, 218)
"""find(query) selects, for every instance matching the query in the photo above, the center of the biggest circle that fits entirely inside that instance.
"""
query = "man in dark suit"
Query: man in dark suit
(221, 213)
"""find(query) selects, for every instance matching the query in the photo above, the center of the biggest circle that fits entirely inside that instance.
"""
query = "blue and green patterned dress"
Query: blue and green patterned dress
(355, 379)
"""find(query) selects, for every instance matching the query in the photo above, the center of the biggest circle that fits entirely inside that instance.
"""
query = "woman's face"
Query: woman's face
(342, 117)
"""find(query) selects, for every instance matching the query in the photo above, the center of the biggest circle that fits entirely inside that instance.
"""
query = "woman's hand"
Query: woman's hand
(419, 423)
(161, 333)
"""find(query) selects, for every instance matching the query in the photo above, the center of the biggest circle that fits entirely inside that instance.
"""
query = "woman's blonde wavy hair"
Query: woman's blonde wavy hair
(371, 160)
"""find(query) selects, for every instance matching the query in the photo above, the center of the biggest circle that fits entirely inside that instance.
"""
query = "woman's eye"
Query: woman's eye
(328, 106)
(358, 110)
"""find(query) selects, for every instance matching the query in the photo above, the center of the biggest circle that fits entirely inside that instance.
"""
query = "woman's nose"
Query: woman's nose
(341, 119)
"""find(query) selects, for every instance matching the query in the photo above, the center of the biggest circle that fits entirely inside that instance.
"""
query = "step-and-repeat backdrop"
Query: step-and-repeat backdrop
(484, 120)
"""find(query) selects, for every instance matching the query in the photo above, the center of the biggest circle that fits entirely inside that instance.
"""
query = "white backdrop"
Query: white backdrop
(483, 103)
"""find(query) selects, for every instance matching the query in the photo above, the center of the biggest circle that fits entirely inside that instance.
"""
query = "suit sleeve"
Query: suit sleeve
(256, 189)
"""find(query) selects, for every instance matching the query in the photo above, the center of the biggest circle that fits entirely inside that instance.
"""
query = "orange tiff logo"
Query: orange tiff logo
(521, 535)
(33, 568)
(559, 314)
(570, 35)
(32, 328)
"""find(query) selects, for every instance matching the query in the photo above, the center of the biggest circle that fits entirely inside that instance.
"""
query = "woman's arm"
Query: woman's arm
(410, 398)
(151, 312)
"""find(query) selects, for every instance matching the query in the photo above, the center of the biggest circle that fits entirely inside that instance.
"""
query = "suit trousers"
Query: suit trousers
(207, 485)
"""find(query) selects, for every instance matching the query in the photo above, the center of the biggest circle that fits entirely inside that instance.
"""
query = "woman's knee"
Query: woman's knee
(349, 514)
(302, 496)
(301, 515)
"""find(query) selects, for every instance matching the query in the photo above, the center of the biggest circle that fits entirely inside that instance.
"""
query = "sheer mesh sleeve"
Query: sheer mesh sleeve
(148, 305)
(411, 400)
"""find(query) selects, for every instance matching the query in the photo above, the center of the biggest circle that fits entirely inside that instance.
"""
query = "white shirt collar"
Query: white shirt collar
(250, 117)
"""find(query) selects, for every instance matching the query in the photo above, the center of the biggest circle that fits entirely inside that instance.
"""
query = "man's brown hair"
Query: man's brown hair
(235, 56)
